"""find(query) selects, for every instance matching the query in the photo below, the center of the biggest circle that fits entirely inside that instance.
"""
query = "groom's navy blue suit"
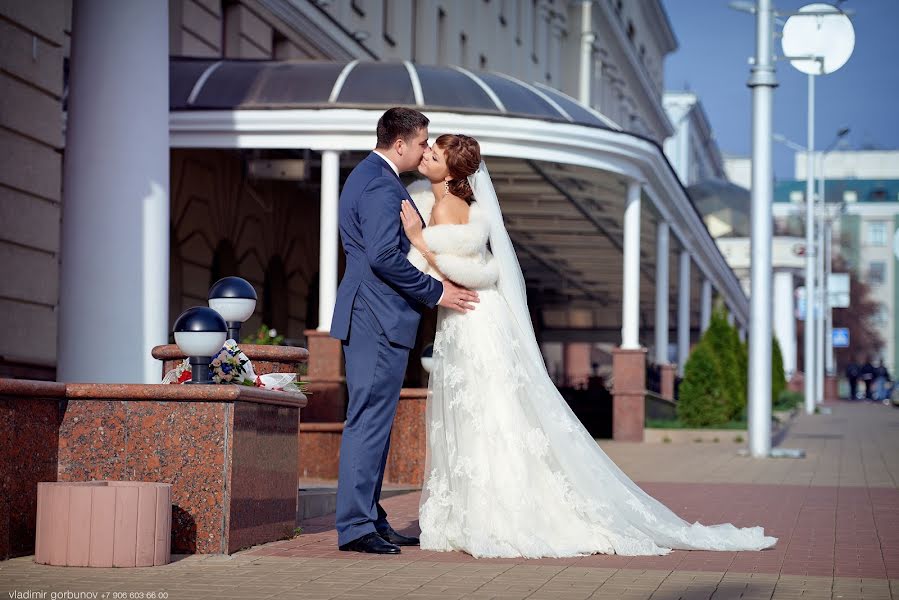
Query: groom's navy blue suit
(376, 315)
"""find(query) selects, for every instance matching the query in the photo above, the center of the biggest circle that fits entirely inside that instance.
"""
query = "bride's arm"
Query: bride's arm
(413, 227)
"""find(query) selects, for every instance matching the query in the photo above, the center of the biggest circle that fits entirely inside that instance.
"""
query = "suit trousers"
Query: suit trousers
(375, 369)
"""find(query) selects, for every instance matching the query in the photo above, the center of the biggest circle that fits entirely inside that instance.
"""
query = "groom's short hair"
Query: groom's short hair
(399, 123)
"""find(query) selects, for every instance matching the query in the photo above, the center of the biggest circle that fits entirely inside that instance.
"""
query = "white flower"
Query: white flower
(272, 333)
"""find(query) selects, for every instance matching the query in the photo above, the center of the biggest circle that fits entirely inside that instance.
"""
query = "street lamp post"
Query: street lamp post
(762, 81)
(817, 40)
(826, 366)
(817, 319)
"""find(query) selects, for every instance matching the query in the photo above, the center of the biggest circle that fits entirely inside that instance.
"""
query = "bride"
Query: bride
(511, 472)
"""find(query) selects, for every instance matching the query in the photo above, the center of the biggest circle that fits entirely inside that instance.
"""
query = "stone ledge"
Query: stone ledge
(229, 452)
(32, 388)
(254, 352)
(687, 436)
(28, 388)
(182, 393)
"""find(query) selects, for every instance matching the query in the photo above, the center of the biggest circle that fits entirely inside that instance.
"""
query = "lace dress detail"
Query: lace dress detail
(511, 472)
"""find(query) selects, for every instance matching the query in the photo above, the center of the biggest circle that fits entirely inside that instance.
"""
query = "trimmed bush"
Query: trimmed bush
(701, 401)
(778, 378)
(726, 350)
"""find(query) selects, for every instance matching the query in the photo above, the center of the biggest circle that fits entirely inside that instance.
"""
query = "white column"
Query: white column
(328, 238)
(820, 305)
(585, 70)
(828, 311)
(762, 80)
(683, 311)
(810, 258)
(630, 297)
(785, 320)
(114, 272)
(682, 149)
(705, 305)
(662, 261)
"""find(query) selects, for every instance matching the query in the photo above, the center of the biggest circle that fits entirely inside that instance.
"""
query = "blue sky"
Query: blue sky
(715, 42)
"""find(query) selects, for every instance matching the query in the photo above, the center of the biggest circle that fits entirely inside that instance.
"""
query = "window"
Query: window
(442, 37)
(876, 272)
(224, 262)
(389, 20)
(878, 194)
(275, 295)
(876, 234)
(463, 50)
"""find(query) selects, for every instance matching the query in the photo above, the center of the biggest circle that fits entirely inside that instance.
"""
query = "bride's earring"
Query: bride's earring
(445, 188)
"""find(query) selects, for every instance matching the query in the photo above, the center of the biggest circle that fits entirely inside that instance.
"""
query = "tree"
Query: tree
(701, 401)
(724, 343)
(865, 338)
(778, 379)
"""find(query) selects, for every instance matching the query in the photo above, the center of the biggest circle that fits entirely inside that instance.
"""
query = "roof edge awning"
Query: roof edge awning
(235, 84)
(542, 136)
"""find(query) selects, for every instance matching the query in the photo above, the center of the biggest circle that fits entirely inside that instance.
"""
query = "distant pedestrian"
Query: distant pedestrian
(852, 373)
(867, 376)
(881, 382)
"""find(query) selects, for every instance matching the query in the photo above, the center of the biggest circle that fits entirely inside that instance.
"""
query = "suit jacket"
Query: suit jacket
(375, 245)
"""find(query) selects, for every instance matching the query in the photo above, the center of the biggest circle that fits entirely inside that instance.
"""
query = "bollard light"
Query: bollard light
(200, 333)
(235, 299)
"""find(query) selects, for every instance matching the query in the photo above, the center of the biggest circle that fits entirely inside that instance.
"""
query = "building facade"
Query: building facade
(692, 150)
(224, 219)
(865, 234)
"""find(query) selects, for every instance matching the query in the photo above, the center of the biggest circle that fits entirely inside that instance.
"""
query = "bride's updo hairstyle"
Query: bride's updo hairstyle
(463, 156)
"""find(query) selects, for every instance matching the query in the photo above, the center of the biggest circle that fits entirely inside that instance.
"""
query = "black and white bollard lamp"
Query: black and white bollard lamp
(235, 299)
(200, 333)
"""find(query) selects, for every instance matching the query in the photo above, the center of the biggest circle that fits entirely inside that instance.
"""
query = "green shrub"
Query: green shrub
(788, 399)
(264, 336)
(701, 401)
(778, 378)
(727, 351)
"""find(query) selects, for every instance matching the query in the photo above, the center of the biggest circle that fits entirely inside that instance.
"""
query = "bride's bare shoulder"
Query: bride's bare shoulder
(451, 210)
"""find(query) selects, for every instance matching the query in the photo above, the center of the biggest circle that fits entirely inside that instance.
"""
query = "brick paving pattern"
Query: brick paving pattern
(836, 513)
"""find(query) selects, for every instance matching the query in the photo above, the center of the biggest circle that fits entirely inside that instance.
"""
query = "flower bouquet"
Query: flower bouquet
(231, 365)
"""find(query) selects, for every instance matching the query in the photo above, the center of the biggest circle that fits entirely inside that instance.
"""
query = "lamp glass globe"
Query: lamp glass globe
(233, 309)
(200, 343)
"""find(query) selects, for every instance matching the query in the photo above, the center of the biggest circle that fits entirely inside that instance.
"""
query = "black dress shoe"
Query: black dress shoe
(397, 539)
(372, 543)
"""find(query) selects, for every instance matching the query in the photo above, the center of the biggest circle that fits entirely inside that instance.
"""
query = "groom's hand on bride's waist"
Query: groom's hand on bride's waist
(457, 297)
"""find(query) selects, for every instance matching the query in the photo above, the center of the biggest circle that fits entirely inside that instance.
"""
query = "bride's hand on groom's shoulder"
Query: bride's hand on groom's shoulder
(412, 224)
(458, 298)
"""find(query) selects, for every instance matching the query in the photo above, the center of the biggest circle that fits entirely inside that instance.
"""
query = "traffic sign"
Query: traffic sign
(840, 337)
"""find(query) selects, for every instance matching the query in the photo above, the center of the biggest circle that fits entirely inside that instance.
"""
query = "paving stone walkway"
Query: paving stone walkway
(836, 513)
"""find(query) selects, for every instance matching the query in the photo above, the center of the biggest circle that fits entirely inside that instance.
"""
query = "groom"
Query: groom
(379, 304)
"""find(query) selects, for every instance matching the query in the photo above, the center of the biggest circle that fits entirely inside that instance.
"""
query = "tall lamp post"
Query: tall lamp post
(762, 81)
(826, 226)
(817, 40)
(817, 319)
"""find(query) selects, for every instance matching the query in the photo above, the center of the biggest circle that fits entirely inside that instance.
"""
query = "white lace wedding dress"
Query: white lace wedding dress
(511, 472)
